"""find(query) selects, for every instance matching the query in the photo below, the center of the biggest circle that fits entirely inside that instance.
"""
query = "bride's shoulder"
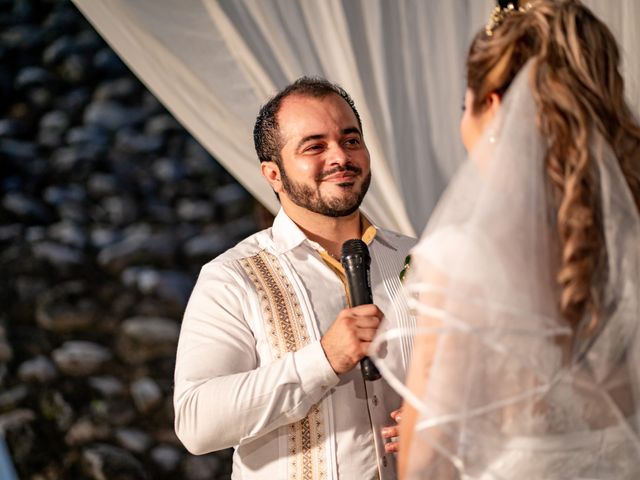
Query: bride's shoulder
(449, 246)
(454, 238)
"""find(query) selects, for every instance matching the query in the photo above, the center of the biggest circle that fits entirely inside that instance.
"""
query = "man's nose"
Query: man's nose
(338, 156)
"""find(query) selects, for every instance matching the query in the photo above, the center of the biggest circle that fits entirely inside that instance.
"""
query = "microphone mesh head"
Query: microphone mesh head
(355, 247)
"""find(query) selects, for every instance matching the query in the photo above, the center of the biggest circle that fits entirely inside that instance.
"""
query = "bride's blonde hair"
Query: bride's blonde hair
(577, 87)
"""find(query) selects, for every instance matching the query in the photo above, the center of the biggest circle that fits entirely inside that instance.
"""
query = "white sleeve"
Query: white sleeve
(222, 396)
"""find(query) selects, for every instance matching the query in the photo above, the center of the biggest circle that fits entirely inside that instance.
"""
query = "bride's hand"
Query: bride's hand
(391, 433)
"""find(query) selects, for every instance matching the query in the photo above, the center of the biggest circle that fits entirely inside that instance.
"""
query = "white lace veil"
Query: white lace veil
(502, 385)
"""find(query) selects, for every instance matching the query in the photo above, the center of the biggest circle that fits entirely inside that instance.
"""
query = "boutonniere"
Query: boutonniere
(405, 268)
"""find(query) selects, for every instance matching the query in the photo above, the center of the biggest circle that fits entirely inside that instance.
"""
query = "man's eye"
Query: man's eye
(353, 141)
(313, 148)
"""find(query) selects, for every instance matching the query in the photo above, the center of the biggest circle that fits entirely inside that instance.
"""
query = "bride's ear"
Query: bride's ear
(492, 103)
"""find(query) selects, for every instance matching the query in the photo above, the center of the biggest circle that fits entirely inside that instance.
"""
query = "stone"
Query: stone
(129, 141)
(168, 170)
(72, 157)
(133, 439)
(6, 352)
(102, 237)
(150, 104)
(107, 462)
(161, 213)
(75, 212)
(118, 411)
(29, 288)
(58, 50)
(241, 227)
(119, 89)
(161, 124)
(167, 435)
(49, 139)
(88, 41)
(12, 183)
(88, 134)
(65, 308)
(56, 194)
(109, 64)
(107, 385)
(119, 209)
(202, 467)
(54, 407)
(52, 127)
(199, 162)
(21, 37)
(37, 370)
(16, 418)
(25, 207)
(166, 457)
(80, 358)
(86, 431)
(12, 397)
(10, 232)
(206, 246)
(40, 98)
(74, 101)
(11, 127)
(22, 150)
(137, 248)
(232, 200)
(146, 394)
(141, 339)
(35, 234)
(56, 121)
(75, 68)
(230, 194)
(61, 20)
(68, 233)
(31, 76)
(102, 185)
(109, 115)
(57, 254)
(195, 210)
(172, 286)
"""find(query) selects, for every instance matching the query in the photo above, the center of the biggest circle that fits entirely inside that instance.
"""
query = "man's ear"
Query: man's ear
(271, 171)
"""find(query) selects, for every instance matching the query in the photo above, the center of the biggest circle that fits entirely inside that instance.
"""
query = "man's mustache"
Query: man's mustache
(346, 168)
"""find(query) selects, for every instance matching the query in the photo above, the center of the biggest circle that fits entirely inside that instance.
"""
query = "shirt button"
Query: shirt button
(384, 461)
(375, 401)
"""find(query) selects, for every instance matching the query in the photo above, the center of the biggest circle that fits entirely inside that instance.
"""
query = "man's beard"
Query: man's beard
(306, 197)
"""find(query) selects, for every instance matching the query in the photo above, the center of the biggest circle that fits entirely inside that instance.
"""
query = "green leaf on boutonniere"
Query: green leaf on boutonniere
(405, 268)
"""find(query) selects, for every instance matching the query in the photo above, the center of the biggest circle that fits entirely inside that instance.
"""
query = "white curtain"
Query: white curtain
(214, 62)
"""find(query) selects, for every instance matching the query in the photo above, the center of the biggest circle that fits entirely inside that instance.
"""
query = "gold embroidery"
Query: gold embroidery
(287, 333)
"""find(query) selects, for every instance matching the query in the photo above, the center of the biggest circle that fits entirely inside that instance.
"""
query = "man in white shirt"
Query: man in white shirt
(268, 356)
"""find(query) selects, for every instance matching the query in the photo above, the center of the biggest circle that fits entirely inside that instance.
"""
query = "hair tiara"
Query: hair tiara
(503, 10)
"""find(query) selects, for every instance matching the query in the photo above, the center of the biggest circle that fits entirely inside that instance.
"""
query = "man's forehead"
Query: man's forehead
(298, 112)
(301, 102)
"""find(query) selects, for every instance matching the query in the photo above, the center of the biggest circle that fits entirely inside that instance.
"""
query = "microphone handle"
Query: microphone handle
(369, 370)
(360, 291)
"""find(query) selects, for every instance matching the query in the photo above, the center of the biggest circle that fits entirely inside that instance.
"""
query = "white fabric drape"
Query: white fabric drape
(214, 62)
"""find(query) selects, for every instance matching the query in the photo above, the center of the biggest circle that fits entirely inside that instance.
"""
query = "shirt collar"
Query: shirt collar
(287, 235)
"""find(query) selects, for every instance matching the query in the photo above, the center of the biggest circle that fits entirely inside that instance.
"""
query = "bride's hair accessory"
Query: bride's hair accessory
(503, 10)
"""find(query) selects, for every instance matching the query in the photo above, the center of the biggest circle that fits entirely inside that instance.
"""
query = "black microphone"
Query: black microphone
(356, 261)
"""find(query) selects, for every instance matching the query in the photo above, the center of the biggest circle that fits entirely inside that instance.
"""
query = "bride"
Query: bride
(526, 282)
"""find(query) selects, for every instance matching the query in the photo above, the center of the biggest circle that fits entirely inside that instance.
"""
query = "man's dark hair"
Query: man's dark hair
(266, 133)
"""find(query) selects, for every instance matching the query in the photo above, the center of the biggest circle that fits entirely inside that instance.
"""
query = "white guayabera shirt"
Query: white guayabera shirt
(250, 370)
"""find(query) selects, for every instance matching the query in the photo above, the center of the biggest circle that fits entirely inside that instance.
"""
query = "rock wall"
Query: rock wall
(108, 208)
